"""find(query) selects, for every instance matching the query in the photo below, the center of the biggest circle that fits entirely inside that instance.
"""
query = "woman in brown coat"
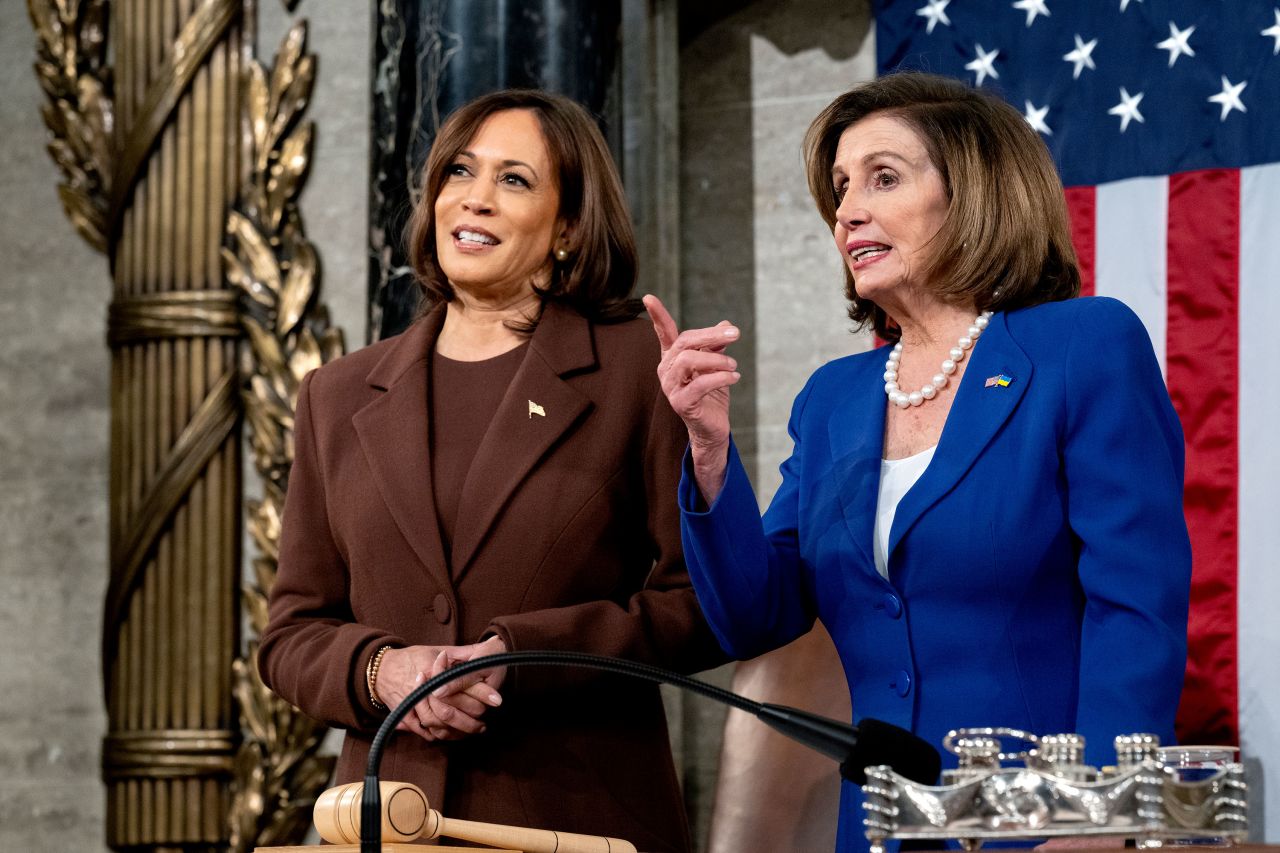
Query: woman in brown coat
(500, 477)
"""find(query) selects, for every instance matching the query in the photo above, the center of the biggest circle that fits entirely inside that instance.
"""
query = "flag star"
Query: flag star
(1229, 97)
(983, 65)
(1035, 118)
(1081, 56)
(1176, 43)
(1032, 8)
(1274, 32)
(935, 11)
(1127, 109)
(1124, 4)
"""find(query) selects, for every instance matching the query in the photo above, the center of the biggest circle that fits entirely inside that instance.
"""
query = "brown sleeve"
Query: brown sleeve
(660, 623)
(312, 652)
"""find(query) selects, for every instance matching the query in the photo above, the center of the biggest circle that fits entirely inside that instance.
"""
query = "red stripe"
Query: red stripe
(1203, 358)
(1082, 207)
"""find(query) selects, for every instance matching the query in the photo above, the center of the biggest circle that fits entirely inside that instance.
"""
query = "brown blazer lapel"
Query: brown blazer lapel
(538, 408)
(394, 433)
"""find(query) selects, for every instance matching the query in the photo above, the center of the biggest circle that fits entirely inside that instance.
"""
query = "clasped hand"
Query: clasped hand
(695, 375)
(450, 712)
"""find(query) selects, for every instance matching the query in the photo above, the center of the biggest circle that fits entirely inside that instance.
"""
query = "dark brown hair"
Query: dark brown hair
(1006, 240)
(600, 272)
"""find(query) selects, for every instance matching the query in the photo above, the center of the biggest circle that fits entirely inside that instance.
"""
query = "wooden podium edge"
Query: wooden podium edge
(390, 847)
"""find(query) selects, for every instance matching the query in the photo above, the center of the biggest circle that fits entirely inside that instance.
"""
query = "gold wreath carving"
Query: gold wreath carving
(71, 53)
(277, 773)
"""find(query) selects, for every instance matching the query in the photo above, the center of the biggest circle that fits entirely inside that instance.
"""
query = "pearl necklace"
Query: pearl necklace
(940, 380)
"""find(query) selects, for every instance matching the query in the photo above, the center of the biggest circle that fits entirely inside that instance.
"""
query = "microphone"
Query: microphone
(868, 744)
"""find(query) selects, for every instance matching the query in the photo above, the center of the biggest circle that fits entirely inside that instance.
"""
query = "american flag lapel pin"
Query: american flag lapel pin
(1000, 380)
(535, 409)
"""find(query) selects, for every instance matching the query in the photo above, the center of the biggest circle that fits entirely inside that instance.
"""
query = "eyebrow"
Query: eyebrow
(470, 154)
(875, 155)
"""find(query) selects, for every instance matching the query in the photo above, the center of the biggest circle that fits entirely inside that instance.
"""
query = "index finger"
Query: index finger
(663, 325)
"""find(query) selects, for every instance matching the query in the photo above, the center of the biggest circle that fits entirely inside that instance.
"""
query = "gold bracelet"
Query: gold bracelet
(371, 677)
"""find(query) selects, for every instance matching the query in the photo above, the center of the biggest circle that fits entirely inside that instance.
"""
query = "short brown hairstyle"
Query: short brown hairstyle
(600, 272)
(1006, 239)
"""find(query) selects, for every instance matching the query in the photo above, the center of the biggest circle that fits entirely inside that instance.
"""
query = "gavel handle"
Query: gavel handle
(522, 838)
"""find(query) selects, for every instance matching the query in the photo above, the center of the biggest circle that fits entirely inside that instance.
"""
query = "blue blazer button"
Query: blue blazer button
(901, 683)
(892, 605)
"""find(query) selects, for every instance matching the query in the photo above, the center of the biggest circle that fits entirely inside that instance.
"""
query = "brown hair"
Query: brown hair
(1006, 241)
(600, 272)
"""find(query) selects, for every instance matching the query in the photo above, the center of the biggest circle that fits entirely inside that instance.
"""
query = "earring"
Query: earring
(562, 254)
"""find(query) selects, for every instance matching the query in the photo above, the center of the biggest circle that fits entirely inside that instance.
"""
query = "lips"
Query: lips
(471, 237)
(862, 252)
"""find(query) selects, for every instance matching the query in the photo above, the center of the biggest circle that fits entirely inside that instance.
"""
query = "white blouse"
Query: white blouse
(897, 476)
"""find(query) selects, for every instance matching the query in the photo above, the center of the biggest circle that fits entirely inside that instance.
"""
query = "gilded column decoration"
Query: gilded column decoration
(278, 774)
(153, 154)
(71, 50)
(150, 156)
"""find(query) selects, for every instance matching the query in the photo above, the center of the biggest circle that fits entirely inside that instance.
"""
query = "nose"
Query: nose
(479, 198)
(852, 212)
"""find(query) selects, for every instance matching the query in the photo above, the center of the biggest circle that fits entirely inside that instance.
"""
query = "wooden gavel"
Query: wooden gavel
(406, 816)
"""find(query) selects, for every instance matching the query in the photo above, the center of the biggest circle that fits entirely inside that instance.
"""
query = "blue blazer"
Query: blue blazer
(1039, 569)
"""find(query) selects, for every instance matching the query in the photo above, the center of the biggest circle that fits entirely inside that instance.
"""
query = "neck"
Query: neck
(932, 325)
(477, 327)
(940, 335)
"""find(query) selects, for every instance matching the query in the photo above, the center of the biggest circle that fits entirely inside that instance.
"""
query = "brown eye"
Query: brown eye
(884, 179)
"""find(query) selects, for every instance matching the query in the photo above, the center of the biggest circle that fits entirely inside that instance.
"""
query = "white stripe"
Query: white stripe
(1258, 572)
(1132, 219)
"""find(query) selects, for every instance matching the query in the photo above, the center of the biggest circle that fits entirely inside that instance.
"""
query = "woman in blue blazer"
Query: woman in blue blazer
(986, 516)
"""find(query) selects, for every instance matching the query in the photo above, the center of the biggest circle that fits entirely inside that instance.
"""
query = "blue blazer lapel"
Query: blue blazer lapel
(976, 416)
(856, 432)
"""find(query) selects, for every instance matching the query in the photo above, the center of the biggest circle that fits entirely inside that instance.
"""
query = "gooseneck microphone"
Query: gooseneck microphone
(869, 743)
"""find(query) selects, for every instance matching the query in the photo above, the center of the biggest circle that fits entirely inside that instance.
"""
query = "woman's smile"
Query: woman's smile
(473, 239)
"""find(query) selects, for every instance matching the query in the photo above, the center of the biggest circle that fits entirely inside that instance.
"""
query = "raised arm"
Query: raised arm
(696, 375)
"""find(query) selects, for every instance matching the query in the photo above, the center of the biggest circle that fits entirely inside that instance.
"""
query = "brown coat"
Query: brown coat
(567, 538)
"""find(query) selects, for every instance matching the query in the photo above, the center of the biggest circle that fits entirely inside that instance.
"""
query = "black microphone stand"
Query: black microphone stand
(908, 754)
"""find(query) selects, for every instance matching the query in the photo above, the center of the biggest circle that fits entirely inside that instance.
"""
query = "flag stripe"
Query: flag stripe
(1131, 238)
(1259, 580)
(1081, 207)
(1202, 362)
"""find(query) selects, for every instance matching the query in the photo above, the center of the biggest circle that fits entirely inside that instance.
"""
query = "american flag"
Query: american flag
(1164, 119)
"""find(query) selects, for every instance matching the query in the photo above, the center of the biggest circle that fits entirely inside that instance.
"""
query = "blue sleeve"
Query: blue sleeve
(1123, 457)
(747, 571)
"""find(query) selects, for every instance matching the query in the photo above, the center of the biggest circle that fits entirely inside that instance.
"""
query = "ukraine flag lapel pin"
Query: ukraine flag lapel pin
(1000, 380)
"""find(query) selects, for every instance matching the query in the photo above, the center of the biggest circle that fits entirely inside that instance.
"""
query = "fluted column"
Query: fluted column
(170, 627)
